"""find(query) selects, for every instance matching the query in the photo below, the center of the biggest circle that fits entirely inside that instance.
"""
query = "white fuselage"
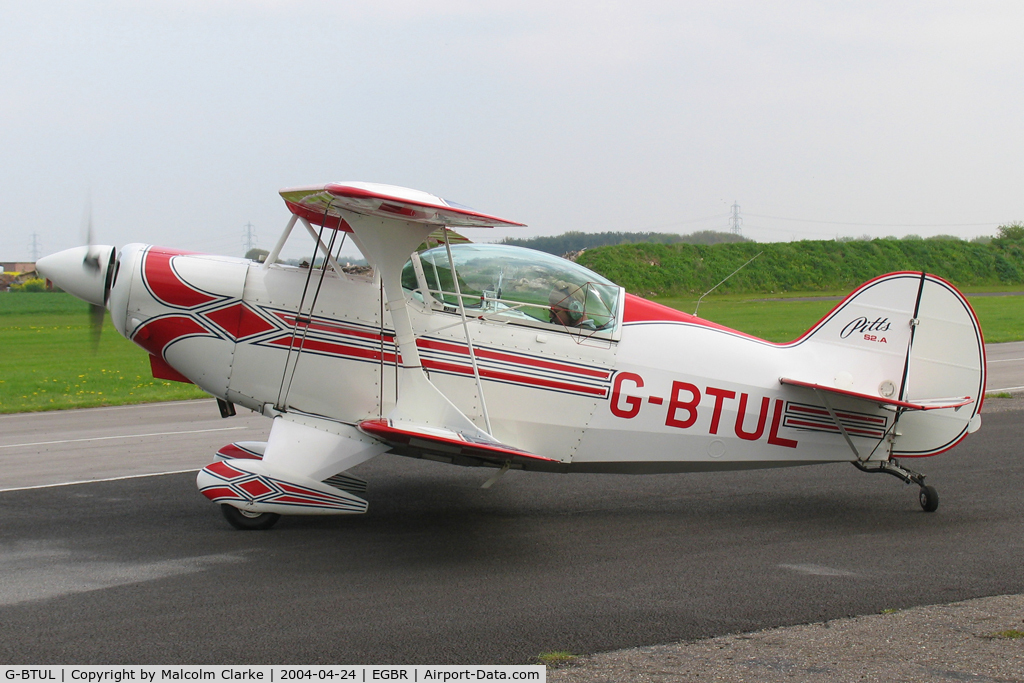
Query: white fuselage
(656, 396)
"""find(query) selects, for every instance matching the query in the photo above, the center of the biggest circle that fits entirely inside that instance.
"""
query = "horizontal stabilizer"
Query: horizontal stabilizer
(920, 404)
(444, 442)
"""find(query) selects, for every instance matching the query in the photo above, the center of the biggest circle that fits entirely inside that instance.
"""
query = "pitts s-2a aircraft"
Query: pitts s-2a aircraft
(494, 355)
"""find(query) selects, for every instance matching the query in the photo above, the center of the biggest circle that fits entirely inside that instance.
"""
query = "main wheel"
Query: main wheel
(248, 521)
(929, 498)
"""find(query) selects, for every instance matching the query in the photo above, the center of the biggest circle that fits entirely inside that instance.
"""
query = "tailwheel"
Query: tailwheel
(248, 521)
(929, 498)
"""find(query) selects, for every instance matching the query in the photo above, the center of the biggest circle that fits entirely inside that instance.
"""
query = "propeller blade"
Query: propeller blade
(92, 258)
(88, 221)
(91, 261)
(96, 313)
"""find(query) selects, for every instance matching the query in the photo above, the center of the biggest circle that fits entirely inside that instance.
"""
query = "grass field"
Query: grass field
(777, 321)
(47, 359)
(1001, 317)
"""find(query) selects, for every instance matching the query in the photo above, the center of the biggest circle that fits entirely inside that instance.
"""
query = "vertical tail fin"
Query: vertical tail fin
(910, 337)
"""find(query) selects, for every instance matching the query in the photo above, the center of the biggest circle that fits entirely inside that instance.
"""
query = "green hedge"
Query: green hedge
(674, 269)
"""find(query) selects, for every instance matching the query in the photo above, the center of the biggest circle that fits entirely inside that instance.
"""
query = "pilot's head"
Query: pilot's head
(565, 309)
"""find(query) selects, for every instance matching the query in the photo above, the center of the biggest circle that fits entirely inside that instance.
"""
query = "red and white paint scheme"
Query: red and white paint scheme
(497, 356)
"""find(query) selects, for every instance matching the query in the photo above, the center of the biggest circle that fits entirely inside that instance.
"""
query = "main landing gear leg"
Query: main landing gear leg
(928, 497)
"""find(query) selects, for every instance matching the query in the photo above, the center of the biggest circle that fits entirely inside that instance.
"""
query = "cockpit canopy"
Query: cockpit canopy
(515, 284)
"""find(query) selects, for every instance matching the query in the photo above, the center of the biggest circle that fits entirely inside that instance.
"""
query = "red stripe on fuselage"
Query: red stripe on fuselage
(290, 319)
(796, 408)
(509, 358)
(156, 335)
(795, 423)
(334, 349)
(519, 379)
(640, 310)
(165, 284)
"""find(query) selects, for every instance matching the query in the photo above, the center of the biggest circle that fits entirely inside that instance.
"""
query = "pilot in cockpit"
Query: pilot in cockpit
(567, 310)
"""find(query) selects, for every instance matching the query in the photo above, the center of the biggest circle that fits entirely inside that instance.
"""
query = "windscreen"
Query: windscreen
(517, 283)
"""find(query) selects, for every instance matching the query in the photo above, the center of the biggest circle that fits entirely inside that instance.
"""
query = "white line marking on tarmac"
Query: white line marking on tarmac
(94, 481)
(130, 406)
(123, 436)
(1004, 360)
(996, 391)
(817, 570)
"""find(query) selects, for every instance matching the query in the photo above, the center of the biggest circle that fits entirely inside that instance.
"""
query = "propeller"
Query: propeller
(91, 262)
(86, 272)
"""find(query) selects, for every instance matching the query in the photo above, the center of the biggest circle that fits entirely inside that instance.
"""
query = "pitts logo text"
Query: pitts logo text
(862, 324)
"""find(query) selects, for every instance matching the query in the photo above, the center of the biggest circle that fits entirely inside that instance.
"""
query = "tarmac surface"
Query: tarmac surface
(975, 640)
(1005, 367)
(144, 570)
(67, 446)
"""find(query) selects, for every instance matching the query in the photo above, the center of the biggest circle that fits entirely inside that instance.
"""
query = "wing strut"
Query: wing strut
(328, 256)
(304, 320)
(389, 242)
(276, 251)
(388, 223)
(465, 327)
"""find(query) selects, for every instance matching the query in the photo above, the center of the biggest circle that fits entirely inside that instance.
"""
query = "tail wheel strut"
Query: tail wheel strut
(928, 497)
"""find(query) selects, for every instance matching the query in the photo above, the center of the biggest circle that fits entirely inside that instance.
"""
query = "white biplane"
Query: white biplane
(494, 355)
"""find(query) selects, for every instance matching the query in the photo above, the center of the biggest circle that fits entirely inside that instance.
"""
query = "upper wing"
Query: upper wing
(325, 205)
(388, 224)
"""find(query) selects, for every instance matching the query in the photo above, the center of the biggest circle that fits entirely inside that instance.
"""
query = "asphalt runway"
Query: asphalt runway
(145, 570)
(1005, 364)
(40, 449)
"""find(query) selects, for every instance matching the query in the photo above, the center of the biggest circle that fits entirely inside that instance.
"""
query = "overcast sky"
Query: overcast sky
(181, 119)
